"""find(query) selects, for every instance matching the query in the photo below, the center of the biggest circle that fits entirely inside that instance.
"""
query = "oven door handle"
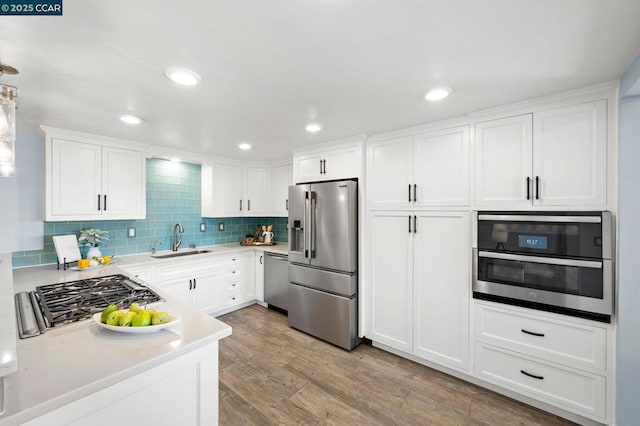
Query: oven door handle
(546, 260)
(539, 218)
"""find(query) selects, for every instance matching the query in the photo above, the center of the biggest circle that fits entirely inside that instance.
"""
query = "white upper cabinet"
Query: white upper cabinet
(222, 190)
(441, 168)
(257, 191)
(503, 160)
(570, 155)
(556, 157)
(426, 170)
(339, 162)
(120, 171)
(280, 177)
(390, 173)
(91, 178)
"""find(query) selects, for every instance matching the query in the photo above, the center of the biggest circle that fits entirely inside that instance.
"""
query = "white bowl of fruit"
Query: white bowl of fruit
(134, 320)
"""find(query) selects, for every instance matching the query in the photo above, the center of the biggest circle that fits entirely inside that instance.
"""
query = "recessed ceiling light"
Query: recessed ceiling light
(244, 146)
(174, 159)
(313, 127)
(183, 76)
(131, 119)
(438, 93)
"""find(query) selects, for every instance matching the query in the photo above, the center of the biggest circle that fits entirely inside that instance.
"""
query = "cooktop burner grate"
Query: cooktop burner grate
(78, 300)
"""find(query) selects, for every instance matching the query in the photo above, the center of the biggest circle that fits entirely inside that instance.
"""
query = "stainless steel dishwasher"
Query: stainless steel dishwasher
(276, 280)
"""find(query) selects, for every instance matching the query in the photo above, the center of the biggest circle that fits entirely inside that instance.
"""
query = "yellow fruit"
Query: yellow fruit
(160, 318)
(142, 319)
(135, 307)
(127, 319)
(114, 318)
(106, 312)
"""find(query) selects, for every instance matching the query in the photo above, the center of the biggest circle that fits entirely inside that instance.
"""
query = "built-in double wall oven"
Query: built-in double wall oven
(555, 261)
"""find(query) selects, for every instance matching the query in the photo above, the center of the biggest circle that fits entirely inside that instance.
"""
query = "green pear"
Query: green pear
(160, 318)
(106, 312)
(114, 318)
(126, 319)
(142, 319)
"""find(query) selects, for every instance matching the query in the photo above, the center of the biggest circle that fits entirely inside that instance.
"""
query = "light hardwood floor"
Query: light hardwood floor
(273, 374)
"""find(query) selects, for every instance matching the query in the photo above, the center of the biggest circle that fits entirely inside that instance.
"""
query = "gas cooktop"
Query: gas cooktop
(54, 305)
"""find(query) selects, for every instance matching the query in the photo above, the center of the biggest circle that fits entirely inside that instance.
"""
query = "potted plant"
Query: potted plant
(93, 238)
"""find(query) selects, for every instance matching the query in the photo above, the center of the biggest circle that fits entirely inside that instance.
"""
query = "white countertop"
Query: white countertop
(74, 361)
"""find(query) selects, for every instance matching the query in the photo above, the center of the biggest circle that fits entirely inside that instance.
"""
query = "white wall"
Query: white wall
(22, 196)
(628, 341)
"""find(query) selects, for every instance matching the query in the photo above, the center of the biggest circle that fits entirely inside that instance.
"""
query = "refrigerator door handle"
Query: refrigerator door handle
(312, 222)
(306, 227)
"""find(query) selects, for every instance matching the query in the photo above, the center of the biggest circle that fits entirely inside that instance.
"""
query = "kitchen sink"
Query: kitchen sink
(179, 254)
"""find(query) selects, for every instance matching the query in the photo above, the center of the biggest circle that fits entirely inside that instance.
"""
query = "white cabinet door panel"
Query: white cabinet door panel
(75, 179)
(570, 155)
(342, 163)
(123, 183)
(390, 260)
(504, 161)
(442, 282)
(441, 167)
(179, 288)
(208, 292)
(227, 190)
(280, 178)
(390, 173)
(257, 191)
(307, 168)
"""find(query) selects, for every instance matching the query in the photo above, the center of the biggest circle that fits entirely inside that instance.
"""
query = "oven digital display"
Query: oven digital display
(532, 241)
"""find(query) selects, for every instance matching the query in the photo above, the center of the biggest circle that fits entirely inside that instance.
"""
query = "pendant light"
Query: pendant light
(7, 124)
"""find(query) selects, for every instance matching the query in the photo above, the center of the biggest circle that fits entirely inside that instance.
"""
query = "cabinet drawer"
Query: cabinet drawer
(232, 285)
(568, 343)
(233, 273)
(568, 388)
(233, 298)
(232, 260)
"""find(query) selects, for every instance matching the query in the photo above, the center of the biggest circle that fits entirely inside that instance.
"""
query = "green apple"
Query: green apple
(135, 307)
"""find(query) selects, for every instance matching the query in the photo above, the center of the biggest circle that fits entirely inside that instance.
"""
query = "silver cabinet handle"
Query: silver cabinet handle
(261, 260)
(306, 227)
(286, 204)
(324, 166)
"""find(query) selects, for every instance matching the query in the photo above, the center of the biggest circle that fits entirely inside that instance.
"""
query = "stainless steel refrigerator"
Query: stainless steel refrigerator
(323, 261)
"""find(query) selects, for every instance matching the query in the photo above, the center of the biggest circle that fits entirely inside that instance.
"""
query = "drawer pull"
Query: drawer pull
(233, 298)
(233, 285)
(532, 333)
(533, 376)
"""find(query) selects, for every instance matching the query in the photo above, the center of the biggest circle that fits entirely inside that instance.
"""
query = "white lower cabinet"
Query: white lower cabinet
(441, 287)
(421, 280)
(202, 289)
(569, 388)
(259, 271)
(553, 358)
(181, 391)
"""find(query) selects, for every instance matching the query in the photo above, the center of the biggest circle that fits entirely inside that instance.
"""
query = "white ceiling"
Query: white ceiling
(270, 66)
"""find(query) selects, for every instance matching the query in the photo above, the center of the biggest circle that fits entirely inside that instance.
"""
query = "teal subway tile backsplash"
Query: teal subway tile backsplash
(173, 195)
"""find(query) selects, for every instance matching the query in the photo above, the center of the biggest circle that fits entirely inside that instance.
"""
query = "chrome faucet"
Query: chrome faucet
(177, 238)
